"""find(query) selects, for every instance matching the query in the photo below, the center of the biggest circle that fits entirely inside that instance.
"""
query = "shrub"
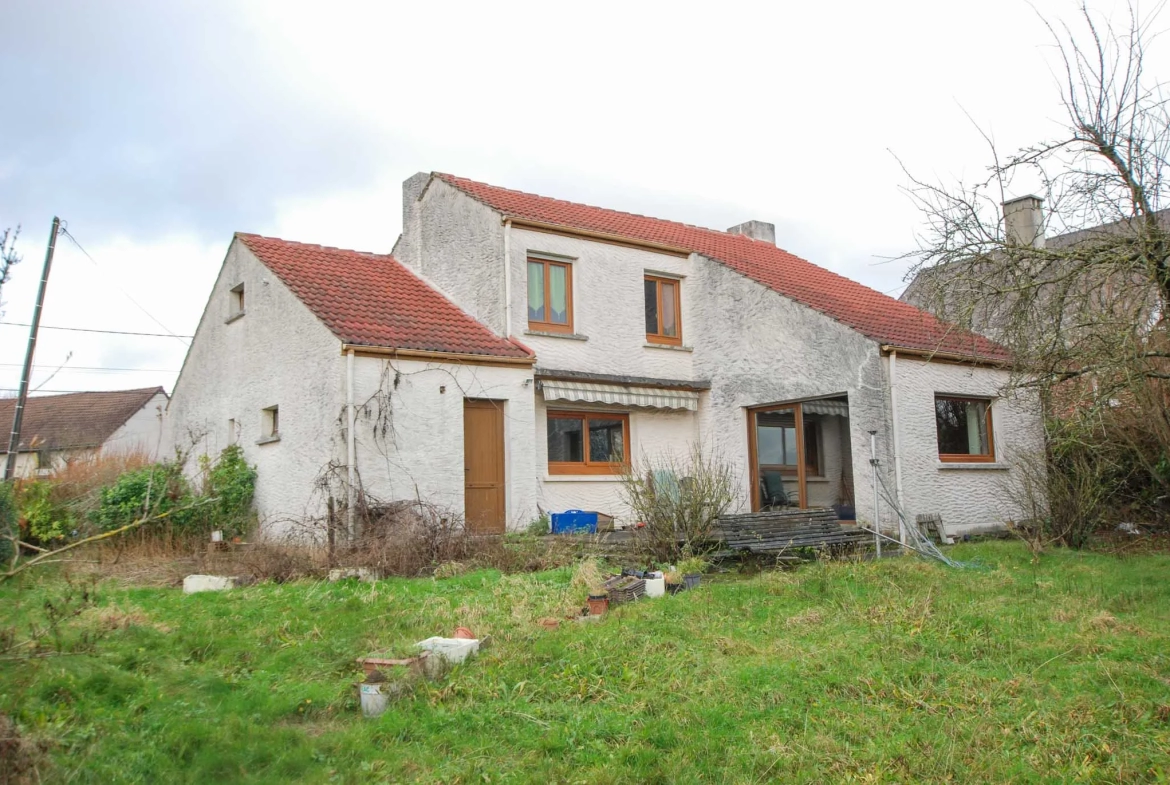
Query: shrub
(233, 482)
(538, 527)
(678, 501)
(153, 489)
(47, 521)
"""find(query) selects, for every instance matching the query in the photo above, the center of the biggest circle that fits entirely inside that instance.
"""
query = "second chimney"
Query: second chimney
(757, 230)
(1023, 221)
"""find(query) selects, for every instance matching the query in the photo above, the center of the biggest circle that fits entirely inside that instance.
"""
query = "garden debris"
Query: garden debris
(352, 573)
(451, 650)
(464, 633)
(193, 584)
(624, 588)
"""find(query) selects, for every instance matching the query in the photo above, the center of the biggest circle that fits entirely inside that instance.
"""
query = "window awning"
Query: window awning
(831, 406)
(620, 394)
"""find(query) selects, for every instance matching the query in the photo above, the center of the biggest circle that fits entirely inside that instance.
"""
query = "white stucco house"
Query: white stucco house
(57, 430)
(514, 351)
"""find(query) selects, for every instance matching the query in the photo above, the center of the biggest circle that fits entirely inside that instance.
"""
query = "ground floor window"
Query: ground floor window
(964, 428)
(587, 442)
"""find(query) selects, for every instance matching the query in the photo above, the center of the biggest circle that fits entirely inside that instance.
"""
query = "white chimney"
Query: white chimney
(1023, 221)
(757, 230)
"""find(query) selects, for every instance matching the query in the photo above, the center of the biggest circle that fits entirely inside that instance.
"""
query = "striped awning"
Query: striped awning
(620, 394)
(828, 406)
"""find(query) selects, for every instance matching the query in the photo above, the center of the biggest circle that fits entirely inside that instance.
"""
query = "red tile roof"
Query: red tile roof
(373, 300)
(871, 313)
(75, 420)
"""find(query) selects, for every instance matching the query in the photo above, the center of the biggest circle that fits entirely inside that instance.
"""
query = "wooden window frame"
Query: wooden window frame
(753, 453)
(964, 457)
(588, 466)
(552, 327)
(658, 337)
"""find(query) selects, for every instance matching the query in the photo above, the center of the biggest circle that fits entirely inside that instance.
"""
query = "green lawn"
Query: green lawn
(898, 671)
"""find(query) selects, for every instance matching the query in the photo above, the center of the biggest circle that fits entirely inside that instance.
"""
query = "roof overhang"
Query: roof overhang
(949, 357)
(437, 357)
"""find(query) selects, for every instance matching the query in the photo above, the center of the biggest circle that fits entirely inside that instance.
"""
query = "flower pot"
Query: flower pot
(464, 633)
(598, 604)
(692, 580)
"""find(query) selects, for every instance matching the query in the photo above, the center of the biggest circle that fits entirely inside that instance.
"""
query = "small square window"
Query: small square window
(237, 301)
(270, 424)
(964, 429)
(588, 442)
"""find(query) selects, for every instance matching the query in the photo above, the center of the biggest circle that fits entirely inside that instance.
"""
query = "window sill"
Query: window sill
(268, 440)
(669, 346)
(234, 317)
(974, 466)
(582, 478)
(569, 336)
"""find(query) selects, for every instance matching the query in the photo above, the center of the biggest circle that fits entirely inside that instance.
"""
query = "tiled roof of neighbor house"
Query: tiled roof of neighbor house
(73, 421)
(866, 310)
(373, 300)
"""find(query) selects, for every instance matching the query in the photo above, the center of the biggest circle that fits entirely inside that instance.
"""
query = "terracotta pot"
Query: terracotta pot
(598, 604)
(463, 632)
(550, 624)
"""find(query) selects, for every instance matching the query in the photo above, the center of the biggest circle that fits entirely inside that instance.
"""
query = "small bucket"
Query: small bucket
(692, 580)
(374, 699)
(598, 604)
(655, 587)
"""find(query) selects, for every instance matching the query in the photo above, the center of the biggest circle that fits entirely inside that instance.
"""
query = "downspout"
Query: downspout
(507, 278)
(897, 441)
(350, 446)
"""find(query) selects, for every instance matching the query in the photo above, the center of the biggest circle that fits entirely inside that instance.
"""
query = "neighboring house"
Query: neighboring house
(57, 430)
(515, 351)
(985, 294)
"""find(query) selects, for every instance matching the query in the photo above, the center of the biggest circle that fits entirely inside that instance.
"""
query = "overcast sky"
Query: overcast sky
(156, 129)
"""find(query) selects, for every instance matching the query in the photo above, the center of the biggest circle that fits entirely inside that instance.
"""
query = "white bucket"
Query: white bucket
(374, 701)
(655, 587)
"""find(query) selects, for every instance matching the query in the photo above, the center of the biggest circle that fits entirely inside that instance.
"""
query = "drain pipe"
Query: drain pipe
(897, 448)
(350, 446)
(877, 524)
(507, 278)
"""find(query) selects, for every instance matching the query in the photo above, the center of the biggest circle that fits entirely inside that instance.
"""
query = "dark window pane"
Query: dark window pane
(606, 440)
(651, 308)
(962, 426)
(566, 439)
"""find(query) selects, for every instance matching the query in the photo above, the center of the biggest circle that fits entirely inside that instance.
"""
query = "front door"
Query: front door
(483, 466)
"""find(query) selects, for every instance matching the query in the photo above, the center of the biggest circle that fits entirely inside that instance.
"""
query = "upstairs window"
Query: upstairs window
(964, 429)
(663, 324)
(587, 442)
(236, 302)
(550, 296)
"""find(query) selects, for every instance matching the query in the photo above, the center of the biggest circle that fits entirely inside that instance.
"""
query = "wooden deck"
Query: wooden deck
(776, 531)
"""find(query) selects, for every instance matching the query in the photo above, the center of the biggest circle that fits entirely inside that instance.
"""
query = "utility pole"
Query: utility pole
(14, 440)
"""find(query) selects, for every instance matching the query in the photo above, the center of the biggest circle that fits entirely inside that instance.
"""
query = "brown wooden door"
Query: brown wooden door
(483, 466)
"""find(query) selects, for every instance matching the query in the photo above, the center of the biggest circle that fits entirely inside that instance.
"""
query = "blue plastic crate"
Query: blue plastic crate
(574, 521)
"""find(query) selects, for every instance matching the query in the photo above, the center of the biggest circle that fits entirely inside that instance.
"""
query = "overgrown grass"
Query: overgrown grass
(897, 671)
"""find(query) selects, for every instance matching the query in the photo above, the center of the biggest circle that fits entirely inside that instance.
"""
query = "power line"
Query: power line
(125, 294)
(93, 368)
(91, 330)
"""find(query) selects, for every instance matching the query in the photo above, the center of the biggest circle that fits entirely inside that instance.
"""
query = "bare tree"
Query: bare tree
(1083, 314)
(8, 258)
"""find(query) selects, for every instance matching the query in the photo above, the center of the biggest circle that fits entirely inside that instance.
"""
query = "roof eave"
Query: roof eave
(954, 357)
(436, 356)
